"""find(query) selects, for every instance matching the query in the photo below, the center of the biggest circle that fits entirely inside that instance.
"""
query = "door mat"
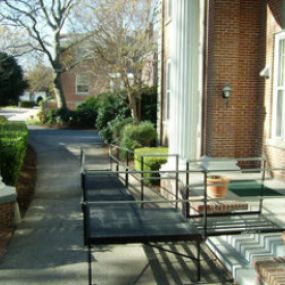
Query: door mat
(251, 188)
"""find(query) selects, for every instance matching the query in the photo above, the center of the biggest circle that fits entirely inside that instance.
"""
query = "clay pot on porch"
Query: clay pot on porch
(217, 186)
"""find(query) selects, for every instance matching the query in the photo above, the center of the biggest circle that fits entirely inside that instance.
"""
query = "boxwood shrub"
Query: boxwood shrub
(13, 144)
(137, 135)
(150, 162)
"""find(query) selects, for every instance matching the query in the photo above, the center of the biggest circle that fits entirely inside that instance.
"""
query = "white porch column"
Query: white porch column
(185, 79)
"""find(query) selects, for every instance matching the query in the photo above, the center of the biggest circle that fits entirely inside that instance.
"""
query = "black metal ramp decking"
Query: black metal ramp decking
(113, 216)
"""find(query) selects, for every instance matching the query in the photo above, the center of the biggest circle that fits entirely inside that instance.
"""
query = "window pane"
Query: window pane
(279, 113)
(168, 105)
(168, 89)
(281, 63)
(82, 83)
(82, 88)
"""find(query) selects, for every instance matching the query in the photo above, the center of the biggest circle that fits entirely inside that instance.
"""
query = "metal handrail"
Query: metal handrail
(187, 171)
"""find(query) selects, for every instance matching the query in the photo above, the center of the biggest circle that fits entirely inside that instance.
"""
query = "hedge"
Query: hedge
(13, 144)
(150, 162)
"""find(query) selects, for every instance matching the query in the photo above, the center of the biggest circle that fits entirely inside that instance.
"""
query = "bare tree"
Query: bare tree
(121, 37)
(41, 24)
(40, 78)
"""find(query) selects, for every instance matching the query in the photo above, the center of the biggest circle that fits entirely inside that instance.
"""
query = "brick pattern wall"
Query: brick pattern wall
(7, 213)
(235, 32)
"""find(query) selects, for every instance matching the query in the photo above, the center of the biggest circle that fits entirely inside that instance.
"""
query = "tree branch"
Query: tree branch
(46, 14)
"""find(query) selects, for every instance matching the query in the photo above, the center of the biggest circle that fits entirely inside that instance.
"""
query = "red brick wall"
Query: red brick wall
(236, 46)
(98, 84)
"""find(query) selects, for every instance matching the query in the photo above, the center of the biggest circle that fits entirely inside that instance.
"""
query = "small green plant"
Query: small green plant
(150, 158)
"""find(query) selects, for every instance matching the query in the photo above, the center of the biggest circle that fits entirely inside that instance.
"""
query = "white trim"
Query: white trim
(168, 89)
(278, 38)
(169, 11)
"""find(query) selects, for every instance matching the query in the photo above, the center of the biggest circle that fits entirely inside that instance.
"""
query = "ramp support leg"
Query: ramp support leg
(89, 264)
(198, 260)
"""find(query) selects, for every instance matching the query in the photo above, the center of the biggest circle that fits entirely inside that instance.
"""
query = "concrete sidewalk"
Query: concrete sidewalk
(47, 248)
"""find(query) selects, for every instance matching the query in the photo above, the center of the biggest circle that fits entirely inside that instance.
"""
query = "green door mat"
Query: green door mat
(251, 188)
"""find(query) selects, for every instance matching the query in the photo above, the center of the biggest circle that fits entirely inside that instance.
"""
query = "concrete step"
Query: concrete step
(238, 253)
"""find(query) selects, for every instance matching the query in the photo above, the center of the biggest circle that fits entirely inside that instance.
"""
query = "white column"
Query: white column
(185, 99)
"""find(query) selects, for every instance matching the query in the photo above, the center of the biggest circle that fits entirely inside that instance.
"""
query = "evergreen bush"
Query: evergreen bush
(138, 135)
(152, 163)
(13, 144)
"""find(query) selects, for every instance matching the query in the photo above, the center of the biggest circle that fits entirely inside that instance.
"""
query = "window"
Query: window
(82, 53)
(168, 89)
(82, 84)
(278, 129)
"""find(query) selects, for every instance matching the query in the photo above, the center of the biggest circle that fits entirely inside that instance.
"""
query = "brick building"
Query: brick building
(207, 47)
(83, 76)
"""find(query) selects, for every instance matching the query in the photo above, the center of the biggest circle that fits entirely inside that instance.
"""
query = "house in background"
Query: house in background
(222, 78)
(86, 76)
(81, 78)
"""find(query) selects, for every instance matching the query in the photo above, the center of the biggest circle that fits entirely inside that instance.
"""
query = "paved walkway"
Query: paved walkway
(47, 248)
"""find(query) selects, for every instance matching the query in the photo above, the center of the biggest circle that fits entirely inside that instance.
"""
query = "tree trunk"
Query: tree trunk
(58, 92)
(133, 106)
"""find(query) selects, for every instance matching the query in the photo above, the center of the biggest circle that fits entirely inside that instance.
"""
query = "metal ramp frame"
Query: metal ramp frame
(200, 226)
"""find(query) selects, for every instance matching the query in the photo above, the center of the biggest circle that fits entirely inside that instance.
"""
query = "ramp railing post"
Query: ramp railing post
(142, 180)
(205, 203)
(110, 157)
(262, 186)
(187, 206)
(176, 181)
(127, 170)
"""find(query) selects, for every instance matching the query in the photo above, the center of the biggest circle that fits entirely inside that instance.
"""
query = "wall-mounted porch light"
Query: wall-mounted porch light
(227, 91)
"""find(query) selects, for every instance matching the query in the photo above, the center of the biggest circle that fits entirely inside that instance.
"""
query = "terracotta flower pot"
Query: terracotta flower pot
(217, 186)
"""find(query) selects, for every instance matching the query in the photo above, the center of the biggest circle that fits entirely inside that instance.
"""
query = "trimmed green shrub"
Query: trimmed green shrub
(13, 130)
(150, 162)
(138, 135)
(13, 144)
